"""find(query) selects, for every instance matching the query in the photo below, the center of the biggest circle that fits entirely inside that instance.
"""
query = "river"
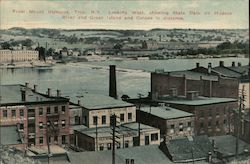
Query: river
(92, 77)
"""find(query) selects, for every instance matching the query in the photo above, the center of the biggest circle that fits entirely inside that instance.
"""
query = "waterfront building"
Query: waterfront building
(173, 123)
(38, 116)
(7, 56)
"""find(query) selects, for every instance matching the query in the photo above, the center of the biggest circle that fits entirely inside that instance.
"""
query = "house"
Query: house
(173, 123)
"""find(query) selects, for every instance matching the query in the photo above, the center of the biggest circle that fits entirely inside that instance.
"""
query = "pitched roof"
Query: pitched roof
(185, 149)
(141, 154)
(166, 112)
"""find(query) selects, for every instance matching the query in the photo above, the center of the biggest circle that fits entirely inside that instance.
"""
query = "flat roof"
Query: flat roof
(166, 112)
(182, 100)
(11, 94)
(98, 101)
(9, 135)
(128, 128)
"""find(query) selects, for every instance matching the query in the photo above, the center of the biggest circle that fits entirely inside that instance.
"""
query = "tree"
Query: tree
(5, 45)
(41, 52)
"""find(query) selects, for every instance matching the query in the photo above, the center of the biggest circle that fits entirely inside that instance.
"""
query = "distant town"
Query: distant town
(198, 115)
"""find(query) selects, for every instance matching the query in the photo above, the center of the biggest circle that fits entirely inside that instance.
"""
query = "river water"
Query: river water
(93, 77)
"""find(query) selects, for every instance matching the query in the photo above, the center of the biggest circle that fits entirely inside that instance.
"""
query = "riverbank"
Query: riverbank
(27, 64)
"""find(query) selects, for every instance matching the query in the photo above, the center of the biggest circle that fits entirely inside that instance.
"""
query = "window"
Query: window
(189, 124)
(225, 122)
(101, 147)
(21, 113)
(109, 146)
(63, 139)
(56, 123)
(201, 125)
(129, 116)
(56, 109)
(126, 144)
(48, 110)
(180, 127)
(5, 114)
(63, 109)
(209, 124)
(94, 120)
(210, 113)
(103, 120)
(122, 117)
(41, 140)
(154, 137)
(13, 113)
(48, 123)
(40, 111)
(41, 125)
(118, 145)
(21, 127)
(63, 123)
(56, 139)
(217, 123)
(201, 114)
(172, 126)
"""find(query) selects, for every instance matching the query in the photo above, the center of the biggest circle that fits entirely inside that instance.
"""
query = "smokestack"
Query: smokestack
(35, 88)
(221, 63)
(58, 93)
(233, 64)
(197, 65)
(23, 95)
(49, 92)
(112, 82)
(239, 64)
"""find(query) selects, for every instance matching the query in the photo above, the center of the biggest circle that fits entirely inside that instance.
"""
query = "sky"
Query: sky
(17, 13)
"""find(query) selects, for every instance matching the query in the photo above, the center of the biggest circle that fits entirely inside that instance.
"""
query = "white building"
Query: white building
(18, 55)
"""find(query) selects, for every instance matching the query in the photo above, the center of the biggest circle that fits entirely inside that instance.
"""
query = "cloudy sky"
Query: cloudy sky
(16, 13)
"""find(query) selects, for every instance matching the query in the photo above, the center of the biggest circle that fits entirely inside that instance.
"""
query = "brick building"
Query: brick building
(213, 115)
(172, 122)
(200, 79)
(36, 115)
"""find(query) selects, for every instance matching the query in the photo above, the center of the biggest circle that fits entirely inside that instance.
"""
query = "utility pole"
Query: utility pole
(139, 124)
(113, 124)
(96, 134)
(47, 137)
(238, 121)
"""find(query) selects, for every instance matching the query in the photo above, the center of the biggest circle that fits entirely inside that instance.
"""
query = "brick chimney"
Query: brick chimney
(49, 92)
(239, 64)
(197, 65)
(221, 63)
(233, 64)
(112, 82)
(58, 93)
(35, 88)
(27, 85)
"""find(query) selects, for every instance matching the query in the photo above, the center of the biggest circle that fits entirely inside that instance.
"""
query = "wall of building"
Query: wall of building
(89, 114)
(209, 119)
(19, 55)
(162, 83)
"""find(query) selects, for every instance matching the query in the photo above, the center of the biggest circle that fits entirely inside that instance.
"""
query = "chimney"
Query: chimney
(209, 69)
(112, 82)
(27, 85)
(49, 92)
(191, 95)
(23, 95)
(58, 93)
(221, 63)
(79, 102)
(197, 65)
(233, 64)
(239, 64)
(35, 88)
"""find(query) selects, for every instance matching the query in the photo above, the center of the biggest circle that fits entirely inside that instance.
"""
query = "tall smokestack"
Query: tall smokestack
(112, 82)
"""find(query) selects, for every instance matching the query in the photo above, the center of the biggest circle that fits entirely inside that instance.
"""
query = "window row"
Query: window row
(41, 139)
(49, 110)
(104, 120)
(13, 113)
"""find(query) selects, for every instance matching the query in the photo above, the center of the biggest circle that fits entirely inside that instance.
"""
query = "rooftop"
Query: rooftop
(128, 128)
(200, 100)
(97, 101)
(166, 112)
(189, 149)
(226, 145)
(9, 135)
(141, 154)
(11, 94)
